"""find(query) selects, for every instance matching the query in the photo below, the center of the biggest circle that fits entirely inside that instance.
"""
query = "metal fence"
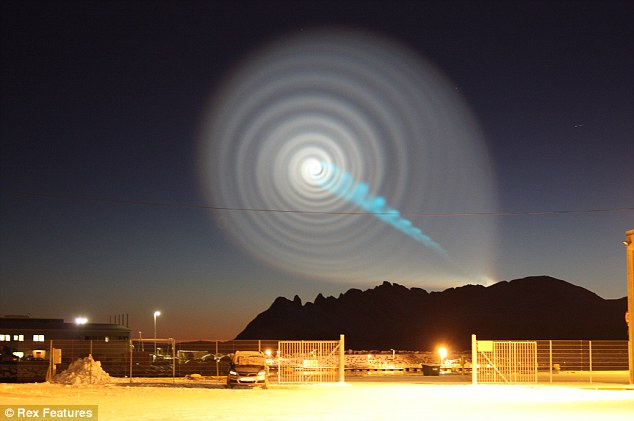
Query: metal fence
(558, 361)
(589, 360)
(551, 361)
(164, 358)
(309, 361)
(289, 361)
(582, 355)
(506, 362)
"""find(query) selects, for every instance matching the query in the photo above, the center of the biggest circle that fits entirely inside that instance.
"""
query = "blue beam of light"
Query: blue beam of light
(358, 193)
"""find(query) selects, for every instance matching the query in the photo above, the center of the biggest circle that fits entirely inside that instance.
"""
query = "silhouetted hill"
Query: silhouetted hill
(393, 316)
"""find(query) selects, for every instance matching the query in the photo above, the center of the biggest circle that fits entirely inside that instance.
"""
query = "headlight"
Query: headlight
(261, 373)
(233, 373)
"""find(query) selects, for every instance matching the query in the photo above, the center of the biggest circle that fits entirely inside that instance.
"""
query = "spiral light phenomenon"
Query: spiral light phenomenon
(335, 102)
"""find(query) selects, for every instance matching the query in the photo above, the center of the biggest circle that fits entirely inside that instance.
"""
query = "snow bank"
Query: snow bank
(83, 371)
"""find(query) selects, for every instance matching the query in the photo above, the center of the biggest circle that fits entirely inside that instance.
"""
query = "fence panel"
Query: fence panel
(211, 358)
(308, 361)
(556, 361)
(506, 362)
(609, 355)
(113, 355)
(582, 360)
(582, 355)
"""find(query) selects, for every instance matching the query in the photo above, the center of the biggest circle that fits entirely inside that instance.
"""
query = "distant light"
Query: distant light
(81, 320)
(268, 352)
(156, 314)
(442, 351)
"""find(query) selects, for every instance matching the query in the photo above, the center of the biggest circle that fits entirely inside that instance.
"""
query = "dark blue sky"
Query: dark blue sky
(101, 110)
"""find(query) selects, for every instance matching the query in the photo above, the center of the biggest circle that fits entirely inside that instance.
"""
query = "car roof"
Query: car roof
(258, 353)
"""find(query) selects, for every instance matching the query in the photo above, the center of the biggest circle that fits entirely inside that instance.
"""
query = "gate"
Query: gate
(504, 361)
(311, 361)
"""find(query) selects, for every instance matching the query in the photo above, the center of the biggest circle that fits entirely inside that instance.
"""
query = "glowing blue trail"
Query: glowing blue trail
(358, 194)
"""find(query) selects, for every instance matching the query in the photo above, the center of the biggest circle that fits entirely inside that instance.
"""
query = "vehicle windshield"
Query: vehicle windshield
(253, 360)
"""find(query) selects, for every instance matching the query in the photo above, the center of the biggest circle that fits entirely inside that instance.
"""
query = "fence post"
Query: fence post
(49, 373)
(342, 359)
(590, 358)
(536, 364)
(550, 360)
(131, 354)
(629, 315)
(173, 360)
(217, 358)
(91, 360)
(474, 360)
(277, 357)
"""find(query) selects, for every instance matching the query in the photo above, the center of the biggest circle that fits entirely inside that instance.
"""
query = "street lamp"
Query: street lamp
(442, 351)
(81, 331)
(156, 314)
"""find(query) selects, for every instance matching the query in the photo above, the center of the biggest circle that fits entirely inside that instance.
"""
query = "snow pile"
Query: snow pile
(83, 371)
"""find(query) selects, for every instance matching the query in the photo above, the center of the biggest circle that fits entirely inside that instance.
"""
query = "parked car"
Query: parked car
(248, 368)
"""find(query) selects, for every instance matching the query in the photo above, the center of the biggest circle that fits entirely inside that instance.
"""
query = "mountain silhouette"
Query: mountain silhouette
(391, 316)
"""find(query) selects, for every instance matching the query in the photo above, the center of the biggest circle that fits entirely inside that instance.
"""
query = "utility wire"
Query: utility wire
(239, 209)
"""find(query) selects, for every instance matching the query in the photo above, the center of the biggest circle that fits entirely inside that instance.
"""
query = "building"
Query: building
(29, 338)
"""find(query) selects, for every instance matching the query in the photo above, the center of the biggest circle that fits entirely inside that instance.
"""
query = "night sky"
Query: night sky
(111, 202)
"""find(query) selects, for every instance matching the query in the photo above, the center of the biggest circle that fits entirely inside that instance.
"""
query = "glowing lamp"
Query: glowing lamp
(442, 351)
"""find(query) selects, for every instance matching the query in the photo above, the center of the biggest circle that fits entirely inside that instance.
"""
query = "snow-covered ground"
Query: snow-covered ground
(354, 400)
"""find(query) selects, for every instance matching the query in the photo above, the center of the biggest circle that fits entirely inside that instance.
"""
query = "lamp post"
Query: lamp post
(156, 314)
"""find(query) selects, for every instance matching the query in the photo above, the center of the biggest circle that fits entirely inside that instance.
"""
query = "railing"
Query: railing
(587, 359)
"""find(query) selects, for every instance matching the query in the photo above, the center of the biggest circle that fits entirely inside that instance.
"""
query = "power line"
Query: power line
(241, 209)
(554, 212)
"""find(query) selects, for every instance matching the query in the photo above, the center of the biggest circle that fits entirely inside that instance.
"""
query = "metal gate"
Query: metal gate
(310, 361)
(504, 361)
